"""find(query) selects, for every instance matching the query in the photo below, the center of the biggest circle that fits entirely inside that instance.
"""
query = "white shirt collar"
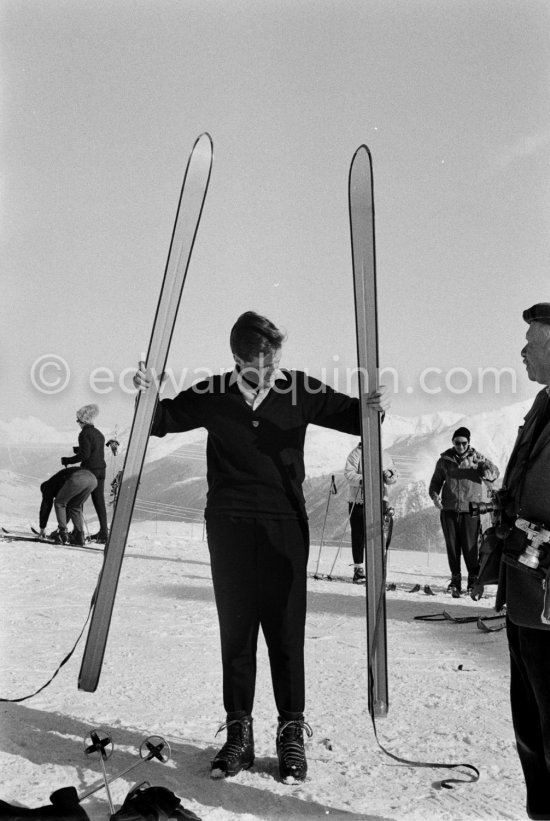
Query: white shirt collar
(254, 396)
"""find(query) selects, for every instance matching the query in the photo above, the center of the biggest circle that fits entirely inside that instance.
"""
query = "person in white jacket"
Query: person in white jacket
(353, 472)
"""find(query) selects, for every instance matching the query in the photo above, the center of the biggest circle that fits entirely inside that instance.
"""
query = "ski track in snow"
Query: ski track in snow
(162, 675)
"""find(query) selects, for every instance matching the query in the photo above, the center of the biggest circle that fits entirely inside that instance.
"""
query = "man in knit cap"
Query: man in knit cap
(457, 481)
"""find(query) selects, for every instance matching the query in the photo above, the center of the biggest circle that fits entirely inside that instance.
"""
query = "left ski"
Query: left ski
(188, 214)
(47, 540)
(17, 534)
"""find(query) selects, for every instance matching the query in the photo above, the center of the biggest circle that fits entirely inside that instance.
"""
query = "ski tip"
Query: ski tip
(204, 142)
(360, 150)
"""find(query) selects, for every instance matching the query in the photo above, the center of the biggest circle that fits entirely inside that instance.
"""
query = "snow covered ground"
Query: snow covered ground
(161, 675)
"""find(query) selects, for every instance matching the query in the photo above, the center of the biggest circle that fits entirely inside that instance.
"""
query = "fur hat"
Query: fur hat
(462, 432)
(87, 413)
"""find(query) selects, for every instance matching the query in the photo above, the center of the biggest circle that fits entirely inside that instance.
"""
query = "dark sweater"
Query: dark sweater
(255, 458)
(91, 451)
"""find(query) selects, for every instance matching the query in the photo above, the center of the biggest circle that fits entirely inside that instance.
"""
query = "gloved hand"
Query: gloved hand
(437, 501)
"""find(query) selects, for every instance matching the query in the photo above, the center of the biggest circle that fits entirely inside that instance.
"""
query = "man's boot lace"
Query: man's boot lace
(290, 749)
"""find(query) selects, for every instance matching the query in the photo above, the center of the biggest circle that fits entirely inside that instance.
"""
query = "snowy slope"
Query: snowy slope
(448, 691)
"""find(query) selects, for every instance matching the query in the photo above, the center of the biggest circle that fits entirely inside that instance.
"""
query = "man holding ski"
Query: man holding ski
(256, 418)
(524, 584)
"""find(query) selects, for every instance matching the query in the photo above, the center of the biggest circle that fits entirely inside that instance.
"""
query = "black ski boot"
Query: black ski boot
(238, 751)
(455, 587)
(290, 750)
(359, 575)
(59, 536)
(77, 539)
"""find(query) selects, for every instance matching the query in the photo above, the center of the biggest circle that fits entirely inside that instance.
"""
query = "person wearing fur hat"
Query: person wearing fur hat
(458, 480)
(90, 453)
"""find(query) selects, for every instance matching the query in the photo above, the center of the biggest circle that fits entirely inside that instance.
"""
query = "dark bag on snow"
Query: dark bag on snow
(153, 804)
(490, 554)
(64, 807)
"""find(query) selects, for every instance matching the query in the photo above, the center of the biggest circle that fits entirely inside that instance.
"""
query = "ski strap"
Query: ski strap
(446, 616)
(446, 783)
(62, 664)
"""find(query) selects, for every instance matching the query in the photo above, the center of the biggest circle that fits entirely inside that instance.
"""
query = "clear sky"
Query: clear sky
(101, 102)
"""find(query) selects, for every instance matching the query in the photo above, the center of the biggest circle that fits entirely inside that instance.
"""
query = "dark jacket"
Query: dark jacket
(255, 458)
(460, 482)
(526, 487)
(527, 477)
(90, 452)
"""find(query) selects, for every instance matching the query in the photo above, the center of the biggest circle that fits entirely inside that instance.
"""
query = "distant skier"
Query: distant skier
(91, 455)
(353, 472)
(69, 503)
(114, 444)
(256, 418)
(49, 489)
(458, 480)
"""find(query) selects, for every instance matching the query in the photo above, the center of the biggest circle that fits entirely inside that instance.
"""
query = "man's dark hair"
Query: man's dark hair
(252, 335)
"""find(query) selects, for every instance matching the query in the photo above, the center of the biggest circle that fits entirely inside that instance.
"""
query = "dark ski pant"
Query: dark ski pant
(98, 501)
(70, 499)
(461, 532)
(530, 702)
(259, 574)
(49, 489)
(357, 527)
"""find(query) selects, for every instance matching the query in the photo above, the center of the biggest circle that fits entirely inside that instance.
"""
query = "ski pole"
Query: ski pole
(388, 530)
(155, 751)
(348, 520)
(98, 745)
(332, 490)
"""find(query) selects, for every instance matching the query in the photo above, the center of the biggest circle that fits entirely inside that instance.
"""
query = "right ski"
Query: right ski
(361, 213)
(193, 194)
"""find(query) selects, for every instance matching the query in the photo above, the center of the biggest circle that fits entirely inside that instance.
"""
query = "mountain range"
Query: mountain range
(173, 483)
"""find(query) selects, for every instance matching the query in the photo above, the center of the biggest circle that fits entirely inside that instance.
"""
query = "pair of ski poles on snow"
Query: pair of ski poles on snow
(388, 527)
(332, 492)
(100, 743)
